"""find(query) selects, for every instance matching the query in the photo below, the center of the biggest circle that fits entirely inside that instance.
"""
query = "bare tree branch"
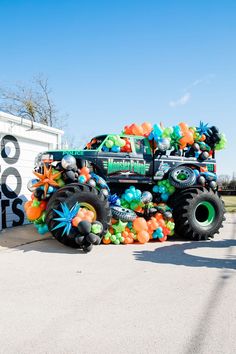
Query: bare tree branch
(32, 102)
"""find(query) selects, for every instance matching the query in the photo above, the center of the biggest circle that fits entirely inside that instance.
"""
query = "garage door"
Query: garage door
(16, 165)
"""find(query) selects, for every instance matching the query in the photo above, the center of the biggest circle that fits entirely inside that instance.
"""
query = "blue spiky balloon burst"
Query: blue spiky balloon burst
(65, 217)
(203, 128)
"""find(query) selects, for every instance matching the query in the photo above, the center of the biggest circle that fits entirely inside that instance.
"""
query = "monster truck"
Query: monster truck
(198, 210)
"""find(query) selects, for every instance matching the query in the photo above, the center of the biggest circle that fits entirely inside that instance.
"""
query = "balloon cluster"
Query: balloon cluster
(165, 189)
(114, 144)
(49, 181)
(78, 223)
(207, 179)
(141, 230)
(197, 142)
(89, 234)
(135, 129)
(35, 212)
(132, 198)
(145, 226)
(127, 147)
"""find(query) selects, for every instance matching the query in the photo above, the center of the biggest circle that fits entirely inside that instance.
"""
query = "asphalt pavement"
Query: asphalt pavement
(172, 297)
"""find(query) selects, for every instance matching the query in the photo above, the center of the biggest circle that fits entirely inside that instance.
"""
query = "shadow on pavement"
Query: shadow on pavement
(176, 254)
(49, 245)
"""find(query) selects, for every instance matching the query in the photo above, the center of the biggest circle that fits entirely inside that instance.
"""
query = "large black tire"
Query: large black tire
(71, 194)
(189, 180)
(123, 214)
(198, 212)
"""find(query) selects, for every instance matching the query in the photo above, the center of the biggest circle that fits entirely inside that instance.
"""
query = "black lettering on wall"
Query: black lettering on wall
(18, 212)
(9, 193)
(4, 204)
(6, 188)
(10, 160)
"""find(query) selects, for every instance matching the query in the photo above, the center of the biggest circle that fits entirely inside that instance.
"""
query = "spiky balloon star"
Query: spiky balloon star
(65, 217)
(203, 128)
(46, 179)
(175, 138)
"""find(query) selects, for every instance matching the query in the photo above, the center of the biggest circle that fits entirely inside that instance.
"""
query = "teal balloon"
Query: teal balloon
(164, 197)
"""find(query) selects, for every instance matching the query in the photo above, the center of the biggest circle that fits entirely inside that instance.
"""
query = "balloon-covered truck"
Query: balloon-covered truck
(147, 183)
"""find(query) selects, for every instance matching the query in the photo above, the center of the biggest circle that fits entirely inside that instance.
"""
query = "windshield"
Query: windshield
(95, 143)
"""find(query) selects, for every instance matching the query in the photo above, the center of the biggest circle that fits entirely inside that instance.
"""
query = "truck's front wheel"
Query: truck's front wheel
(87, 197)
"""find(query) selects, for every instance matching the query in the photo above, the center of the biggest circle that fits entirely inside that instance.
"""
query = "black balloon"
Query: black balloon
(38, 193)
(80, 240)
(87, 247)
(91, 238)
(84, 227)
(202, 180)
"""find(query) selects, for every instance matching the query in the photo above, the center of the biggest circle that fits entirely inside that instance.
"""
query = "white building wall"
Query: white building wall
(20, 143)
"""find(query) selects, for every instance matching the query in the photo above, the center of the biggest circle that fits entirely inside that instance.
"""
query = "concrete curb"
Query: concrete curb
(20, 235)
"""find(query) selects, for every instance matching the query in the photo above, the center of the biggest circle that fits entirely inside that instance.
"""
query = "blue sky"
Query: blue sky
(112, 63)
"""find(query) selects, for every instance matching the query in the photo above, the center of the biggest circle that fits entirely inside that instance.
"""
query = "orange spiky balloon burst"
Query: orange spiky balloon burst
(46, 179)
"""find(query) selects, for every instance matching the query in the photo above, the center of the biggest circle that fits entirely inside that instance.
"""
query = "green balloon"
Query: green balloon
(113, 238)
(35, 203)
(60, 182)
(109, 144)
(122, 143)
(107, 236)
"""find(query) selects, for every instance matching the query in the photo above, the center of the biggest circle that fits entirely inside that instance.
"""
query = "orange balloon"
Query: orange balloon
(84, 171)
(125, 234)
(163, 239)
(137, 130)
(27, 204)
(158, 216)
(203, 138)
(76, 221)
(128, 240)
(140, 224)
(147, 128)
(106, 241)
(33, 213)
(153, 223)
(128, 129)
(143, 236)
(139, 209)
(183, 126)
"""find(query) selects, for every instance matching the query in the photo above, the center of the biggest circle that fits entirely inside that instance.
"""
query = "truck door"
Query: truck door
(163, 162)
(127, 167)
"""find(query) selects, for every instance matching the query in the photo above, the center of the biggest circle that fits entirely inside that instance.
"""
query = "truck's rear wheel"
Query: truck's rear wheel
(88, 197)
(198, 213)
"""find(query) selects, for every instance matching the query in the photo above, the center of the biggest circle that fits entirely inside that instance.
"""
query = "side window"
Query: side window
(139, 146)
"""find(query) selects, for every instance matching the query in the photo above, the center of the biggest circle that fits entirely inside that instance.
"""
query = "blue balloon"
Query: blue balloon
(155, 189)
(115, 148)
(82, 179)
(50, 190)
(164, 197)
(42, 229)
(104, 148)
(177, 130)
(162, 189)
(128, 197)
